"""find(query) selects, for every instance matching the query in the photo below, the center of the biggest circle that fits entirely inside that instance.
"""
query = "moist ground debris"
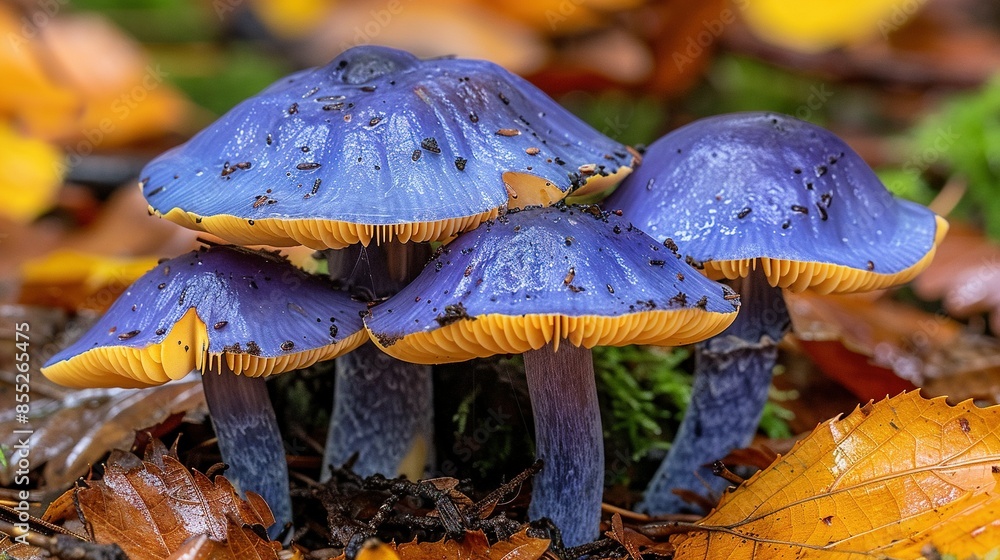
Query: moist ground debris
(402, 511)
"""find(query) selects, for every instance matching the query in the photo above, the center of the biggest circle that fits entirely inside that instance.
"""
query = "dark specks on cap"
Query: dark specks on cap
(128, 335)
(431, 145)
(453, 313)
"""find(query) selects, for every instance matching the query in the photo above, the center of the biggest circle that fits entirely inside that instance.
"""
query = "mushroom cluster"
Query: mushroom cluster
(379, 148)
(377, 153)
(365, 158)
(772, 203)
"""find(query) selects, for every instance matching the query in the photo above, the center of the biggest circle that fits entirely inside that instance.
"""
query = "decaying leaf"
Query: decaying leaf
(876, 347)
(19, 551)
(634, 542)
(964, 275)
(152, 507)
(886, 481)
(73, 432)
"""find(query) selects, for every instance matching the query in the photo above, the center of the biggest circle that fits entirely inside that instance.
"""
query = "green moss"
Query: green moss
(644, 392)
(962, 140)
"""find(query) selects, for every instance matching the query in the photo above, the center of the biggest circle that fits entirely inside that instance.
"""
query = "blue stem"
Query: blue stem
(381, 412)
(569, 439)
(249, 440)
(732, 377)
(382, 407)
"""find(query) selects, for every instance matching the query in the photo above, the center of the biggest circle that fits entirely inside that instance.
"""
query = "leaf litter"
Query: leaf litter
(887, 481)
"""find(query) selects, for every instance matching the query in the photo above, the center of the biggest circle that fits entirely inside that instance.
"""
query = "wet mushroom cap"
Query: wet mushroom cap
(377, 145)
(542, 275)
(732, 189)
(252, 309)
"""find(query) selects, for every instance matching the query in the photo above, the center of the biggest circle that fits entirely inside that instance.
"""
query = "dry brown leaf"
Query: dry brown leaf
(19, 551)
(73, 432)
(152, 507)
(634, 542)
(876, 347)
(886, 481)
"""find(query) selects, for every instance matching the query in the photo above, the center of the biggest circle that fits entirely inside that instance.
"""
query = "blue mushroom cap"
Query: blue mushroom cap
(253, 309)
(379, 144)
(541, 275)
(731, 189)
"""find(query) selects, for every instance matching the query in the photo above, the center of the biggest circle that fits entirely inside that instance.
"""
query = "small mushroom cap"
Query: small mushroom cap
(378, 145)
(542, 275)
(734, 189)
(252, 309)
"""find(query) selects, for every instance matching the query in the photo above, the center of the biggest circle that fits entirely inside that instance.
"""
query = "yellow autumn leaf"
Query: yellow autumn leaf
(79, 280)
(887, 481)
(30, 174)
(290, 19)
(820, 25)
(473, 546)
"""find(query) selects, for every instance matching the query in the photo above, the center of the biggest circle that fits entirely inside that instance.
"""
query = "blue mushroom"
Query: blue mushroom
(552, 283)
(237, 316)
(771, 203)
(379, 147)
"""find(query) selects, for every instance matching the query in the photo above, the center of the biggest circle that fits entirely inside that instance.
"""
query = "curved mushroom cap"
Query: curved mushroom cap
(732, 189)
(541, 275)
(378, 144)
(252, 309)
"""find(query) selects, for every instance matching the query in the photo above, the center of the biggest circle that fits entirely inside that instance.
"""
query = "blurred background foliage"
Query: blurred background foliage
(94, 88)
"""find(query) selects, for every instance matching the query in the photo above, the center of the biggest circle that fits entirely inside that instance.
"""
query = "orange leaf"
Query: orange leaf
(474, 546)
(886, 481)
(152, 507)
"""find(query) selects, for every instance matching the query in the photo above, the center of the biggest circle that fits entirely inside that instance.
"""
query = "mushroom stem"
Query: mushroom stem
(382, 407)
(382, 412)
(731, 381)
(249, 440)
(568, 438)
